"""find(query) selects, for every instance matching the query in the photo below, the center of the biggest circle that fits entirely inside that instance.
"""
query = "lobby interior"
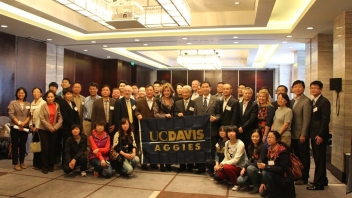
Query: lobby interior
(260, 43)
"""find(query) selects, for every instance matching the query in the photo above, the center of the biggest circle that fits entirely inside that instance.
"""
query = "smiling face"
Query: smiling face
(255, 138)
(36, 94)
(21, 94)
(281, 101)
(226, 90)
(50, 98)
(262, 98)
(298, 89)
(125, 126)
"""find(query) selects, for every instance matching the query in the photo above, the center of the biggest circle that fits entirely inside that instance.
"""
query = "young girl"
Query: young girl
(100, 148)
(125, 145)
(257, 153)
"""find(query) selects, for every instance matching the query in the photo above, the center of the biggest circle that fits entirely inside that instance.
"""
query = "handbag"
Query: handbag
(295, 166)
(35, 147)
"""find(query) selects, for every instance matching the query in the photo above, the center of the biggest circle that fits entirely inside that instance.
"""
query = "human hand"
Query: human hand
(96, 151)
(212, 119)
(240, 130)
(318, 140)
(180, 114)
(103, 163)
(139, 117)
(168, 115)
(243, 171)
(262, 188)
(302, 139)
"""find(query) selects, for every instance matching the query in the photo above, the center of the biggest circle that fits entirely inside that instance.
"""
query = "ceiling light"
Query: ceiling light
(235, 37)
(4, 26)
(179, 11)
(105, 46)
(85, 50)
(145, 44)
(237, 2)
(93, 41)
(310, 28)
(136, 40)
(108, 57)
(189, 43)
(200, 61)
(289, 36)
(49, 39)
(235, 42)
(284, 41)
(184, 38)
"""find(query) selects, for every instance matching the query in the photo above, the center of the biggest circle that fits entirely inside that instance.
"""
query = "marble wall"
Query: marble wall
(342, 68)
(54, 65)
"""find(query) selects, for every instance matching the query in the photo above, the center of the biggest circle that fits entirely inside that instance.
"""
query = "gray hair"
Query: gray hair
(247, 88)
(187, 87)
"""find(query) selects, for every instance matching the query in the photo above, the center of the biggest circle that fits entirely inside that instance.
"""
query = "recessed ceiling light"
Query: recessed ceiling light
(145, 44)
(4, 26)
(290, 47)
(93, 41)
(85, 50)
(310, 28)
(284, 41)
(136, 39)
(237, 2)
(108, 57)
(105, 46)
(235, 42)
(189, 43)
(235, 37)
(49, 39)
(184, 38)
(289, 36)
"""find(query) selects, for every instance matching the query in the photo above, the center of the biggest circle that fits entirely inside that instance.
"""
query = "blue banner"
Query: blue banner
(175, 140)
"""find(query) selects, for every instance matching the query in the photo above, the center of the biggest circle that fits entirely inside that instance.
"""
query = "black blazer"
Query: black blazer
(70, 115)
(74, 150)
(229, 116)
(248, 120)
(319, 124)
(120, 111)
(180, 108)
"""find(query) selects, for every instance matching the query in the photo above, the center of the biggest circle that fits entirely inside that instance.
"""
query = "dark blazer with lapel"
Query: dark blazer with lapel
(180, 108)
(69, 115)
(120, 111)
(98, 112)
(319, 124)
(229, 117)
(212, 109)
(301, 117)
(143, 108)
(248, 120)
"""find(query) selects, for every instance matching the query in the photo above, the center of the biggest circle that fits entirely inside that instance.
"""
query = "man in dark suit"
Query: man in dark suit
(103, 109)
(302, 110)
(248, 116)
(208, 105)
(145, 110)
(280, 89)
(319, 134)
(125, 108)
(185, 107)
(229, 107)
(70, 116)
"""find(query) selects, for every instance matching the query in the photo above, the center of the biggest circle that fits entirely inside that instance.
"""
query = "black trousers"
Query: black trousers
(210, 163)
(302, 152)
(37, 157)
(58, 143)
(81, 161)
(18, 141)
(48, 140)
(66, 133)
(319, 154)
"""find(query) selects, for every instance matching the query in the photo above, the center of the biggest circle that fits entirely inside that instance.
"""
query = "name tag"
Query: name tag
(75, 109)
(28, 107)
(271, 163)
(82, 103)
(134, 107)
(228, 108)
(112, 107)
(315, 109)
(191, 109)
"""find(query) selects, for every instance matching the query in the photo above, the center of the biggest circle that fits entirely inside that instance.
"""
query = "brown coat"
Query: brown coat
(15, 111)
(143, 108)
(45, 118)
(98, 112)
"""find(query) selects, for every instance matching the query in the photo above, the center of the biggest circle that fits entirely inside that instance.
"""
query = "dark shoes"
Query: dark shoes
(301, 182)
(325, 184)
(162, 168)
(315, 187)
(168, 167)
(144, 167)
(45, 171)
(51, 169)
(154, 166)
(199, 171)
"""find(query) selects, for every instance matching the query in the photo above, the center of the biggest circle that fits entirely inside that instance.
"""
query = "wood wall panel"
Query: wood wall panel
(143, 76)
(213, 77)
(109, 73)
(231, 77)
(179, 76)
(7, 71)
(247, 78)
(265, 78)
(30, 64)
(69, 65)
(195, 75)
(83, 70)
(97, 71)
(163, 75)
(124, 71)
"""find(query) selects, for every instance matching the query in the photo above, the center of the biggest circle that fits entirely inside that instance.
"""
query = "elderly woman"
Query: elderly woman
(277, 180)
(35, 122)
(165, 109)
(265, 112)
(125, 145)
(283, 118)
(234, 158)
(19, 113)
(50, 122)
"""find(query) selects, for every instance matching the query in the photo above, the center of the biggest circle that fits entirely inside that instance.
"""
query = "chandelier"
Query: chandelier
(200, 61)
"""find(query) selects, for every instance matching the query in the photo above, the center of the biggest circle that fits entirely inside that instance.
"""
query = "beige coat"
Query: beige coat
(15, 111)
(45, 118)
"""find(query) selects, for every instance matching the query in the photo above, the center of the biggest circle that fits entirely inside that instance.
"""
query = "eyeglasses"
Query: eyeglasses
(271, 137)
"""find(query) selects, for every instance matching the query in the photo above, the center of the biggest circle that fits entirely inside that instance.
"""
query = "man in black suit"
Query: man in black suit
(229, 107)
(280, 89)
(248, 116)
(319, 134)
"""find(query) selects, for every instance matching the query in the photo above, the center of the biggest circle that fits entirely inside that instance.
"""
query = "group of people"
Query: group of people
(250, 139)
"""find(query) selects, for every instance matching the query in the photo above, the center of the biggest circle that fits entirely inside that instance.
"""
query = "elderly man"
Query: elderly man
(195, 85)
(141, 92)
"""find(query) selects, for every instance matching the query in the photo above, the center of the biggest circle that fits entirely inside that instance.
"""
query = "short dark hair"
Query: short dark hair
(53, 84)
(73, 126)
(181, 84)
(223, 128)
(25, 93)
(48, 92)
(163, 82)
(205, 82)
(242, 85)
(66, 90)
(123, 81)
(93, 84)
(267, 88)
(317, 83)
(283, 87)
(100, 122)
(105, 85)
(157, 82)
(221, 83)
(232, 128)
(298, 82)
(67, 80)
(277, 135)
(77, 83)
(149, 86)
(285, 96)
(40, 90)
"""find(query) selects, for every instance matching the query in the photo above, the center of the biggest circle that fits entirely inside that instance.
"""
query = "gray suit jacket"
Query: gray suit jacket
(212, 109)
(302, 113)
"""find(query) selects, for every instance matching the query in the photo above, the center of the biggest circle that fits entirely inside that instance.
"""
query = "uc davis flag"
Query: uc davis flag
(175, 140)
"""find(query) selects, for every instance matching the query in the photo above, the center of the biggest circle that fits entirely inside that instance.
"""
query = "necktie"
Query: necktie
(244, 107)
(106, 107)
(129, 110)
(313, 102)
(205, 105)
(186, 102)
